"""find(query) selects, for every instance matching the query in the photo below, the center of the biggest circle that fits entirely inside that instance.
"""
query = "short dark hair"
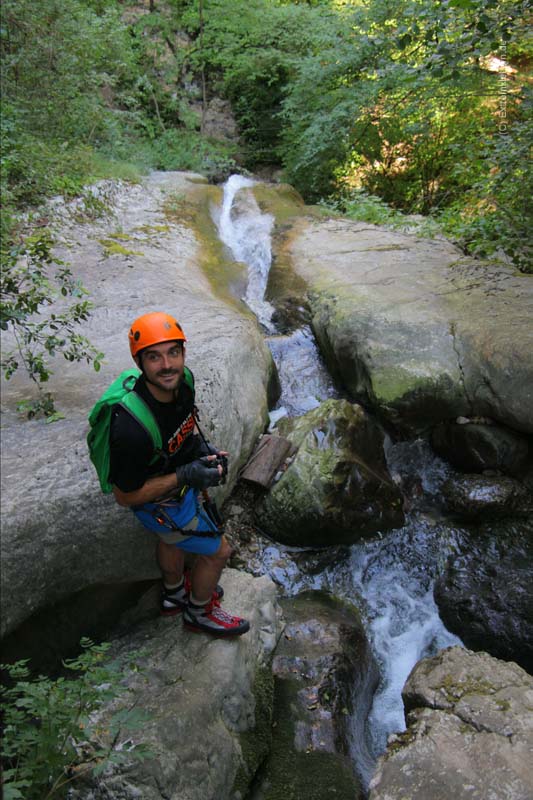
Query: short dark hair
(177, 342)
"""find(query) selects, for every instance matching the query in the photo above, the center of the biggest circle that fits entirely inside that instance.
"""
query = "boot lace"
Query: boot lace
(214, 608)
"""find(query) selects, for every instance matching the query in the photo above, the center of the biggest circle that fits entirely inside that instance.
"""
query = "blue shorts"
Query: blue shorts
(172, 520)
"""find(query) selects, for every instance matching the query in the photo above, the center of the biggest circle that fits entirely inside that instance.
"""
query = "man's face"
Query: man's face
(163, 365)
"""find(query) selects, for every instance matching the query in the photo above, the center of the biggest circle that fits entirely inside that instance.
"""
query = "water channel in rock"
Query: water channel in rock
(390, 577)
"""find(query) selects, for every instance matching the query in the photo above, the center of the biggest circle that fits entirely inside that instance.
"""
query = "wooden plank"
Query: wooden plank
(265, 461)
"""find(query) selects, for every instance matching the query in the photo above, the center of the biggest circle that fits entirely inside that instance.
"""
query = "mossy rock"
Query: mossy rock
(337, 489)
(113, 248)
(256, 742)
(321, 657)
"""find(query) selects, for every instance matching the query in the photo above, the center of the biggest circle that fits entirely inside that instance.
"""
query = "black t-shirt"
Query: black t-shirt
(131, 447)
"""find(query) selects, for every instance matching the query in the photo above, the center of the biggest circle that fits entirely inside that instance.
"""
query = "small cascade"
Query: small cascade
(305, 381)
(391, 578)
(246, 231)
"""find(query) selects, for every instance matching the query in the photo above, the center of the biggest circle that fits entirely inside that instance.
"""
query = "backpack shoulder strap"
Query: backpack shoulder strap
(139, 410)
(189, 379)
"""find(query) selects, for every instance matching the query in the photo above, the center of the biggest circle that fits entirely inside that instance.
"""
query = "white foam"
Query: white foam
(246, 231)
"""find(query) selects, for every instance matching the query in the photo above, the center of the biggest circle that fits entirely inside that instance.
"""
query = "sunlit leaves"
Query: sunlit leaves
(32, 279)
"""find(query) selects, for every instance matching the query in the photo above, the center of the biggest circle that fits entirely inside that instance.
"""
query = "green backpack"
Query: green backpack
(120, 393)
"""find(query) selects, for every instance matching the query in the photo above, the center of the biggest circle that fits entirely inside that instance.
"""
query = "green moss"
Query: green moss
(152, 229)
(385, 248)
(466, 729)
(394, 383)
(455, 690)
(503, 704)
(227, 278)
(256, 743)
(289, 774)
(123, 237)
(113, 248)
(400, 741)
(282, 201)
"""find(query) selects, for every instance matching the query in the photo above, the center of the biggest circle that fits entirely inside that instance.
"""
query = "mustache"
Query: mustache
(165, 373)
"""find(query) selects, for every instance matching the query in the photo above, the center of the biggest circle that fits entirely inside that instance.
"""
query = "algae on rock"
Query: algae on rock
(337, 489)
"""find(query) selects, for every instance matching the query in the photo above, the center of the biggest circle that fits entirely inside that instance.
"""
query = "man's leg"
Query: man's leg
(203, 612)
(171, 561)
(206, 572)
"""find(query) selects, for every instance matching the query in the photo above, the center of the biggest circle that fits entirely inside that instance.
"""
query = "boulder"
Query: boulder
(485, 595)
(208, 703)
(325, 677)
(469, 735)
(485, 496)
(337, 488)
(59, 533)
(415, 329)
(475, 447)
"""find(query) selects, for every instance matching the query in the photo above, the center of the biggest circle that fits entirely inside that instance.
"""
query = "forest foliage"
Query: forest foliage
(425, 105)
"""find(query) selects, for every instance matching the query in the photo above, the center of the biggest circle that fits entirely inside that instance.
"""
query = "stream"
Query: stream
(389, 577)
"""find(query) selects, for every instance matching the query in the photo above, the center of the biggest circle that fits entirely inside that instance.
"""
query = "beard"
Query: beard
(163, 380)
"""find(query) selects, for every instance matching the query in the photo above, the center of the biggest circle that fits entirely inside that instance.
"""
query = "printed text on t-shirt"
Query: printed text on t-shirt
(177, 438)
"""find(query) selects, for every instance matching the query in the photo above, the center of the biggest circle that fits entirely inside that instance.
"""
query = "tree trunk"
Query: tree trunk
(204, 92)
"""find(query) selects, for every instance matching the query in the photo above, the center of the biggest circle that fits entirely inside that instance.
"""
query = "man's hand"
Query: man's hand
(200, 474)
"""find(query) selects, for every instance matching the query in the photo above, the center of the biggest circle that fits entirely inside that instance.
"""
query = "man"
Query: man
(163, 488)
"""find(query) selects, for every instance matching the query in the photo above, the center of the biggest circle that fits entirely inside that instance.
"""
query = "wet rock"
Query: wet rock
(483, 497)
(324, 672)
(416, 330)
(485, 595)
(289, 315)
(473, 447)
(337, 489)
(81, 537)
(208, 702)
(469, 735)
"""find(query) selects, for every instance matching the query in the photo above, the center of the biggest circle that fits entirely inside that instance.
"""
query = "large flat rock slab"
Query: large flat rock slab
(414, 328)
(59, 533)
(208, 704)
(469, 735)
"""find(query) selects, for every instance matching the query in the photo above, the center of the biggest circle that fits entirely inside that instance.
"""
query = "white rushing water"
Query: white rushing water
(391, 578)
(246, 231)
(403, 620)
(305, 381)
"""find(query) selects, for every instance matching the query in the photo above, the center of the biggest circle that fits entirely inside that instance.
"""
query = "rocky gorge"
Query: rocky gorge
(424, 345)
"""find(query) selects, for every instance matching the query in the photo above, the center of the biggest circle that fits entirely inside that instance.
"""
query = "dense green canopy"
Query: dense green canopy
(420, 104)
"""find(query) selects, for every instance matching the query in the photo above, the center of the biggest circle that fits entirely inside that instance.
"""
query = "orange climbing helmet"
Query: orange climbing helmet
(154, 328)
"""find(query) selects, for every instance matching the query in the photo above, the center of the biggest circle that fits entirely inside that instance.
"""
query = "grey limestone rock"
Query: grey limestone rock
(469, 734)
(337, 488)
(416, 330)
(485, 496)
(208, 704)
(59, 533)
(325, 677)
(475, 447)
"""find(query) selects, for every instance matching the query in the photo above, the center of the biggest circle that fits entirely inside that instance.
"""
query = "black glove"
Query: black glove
(204, 448)
(199, 474)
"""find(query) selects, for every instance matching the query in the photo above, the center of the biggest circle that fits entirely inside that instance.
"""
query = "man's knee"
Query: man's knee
(223, 553)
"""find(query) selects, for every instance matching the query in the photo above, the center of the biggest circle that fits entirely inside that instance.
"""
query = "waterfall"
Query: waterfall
(391, 577)
(246, 231)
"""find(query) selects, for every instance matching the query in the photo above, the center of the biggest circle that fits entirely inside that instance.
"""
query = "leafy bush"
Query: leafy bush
(497, 212)
(31, 279)
(360, 205)
(51, 734)
(402, 100)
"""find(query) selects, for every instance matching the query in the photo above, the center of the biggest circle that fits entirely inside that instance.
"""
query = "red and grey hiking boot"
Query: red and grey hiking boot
(214, 620)
(174, 601)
